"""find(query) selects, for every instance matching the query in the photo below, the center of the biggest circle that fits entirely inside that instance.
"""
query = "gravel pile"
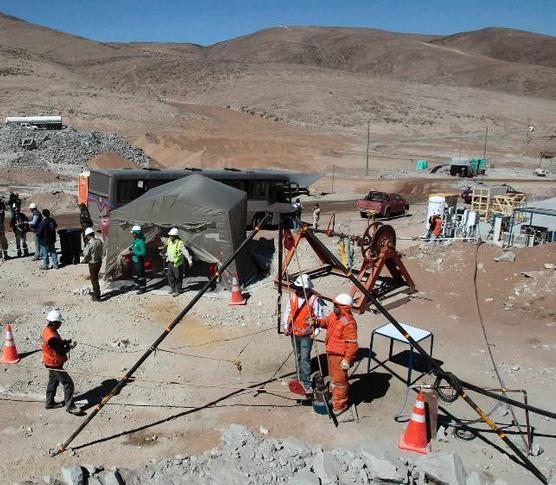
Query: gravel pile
(247, 458)
(40, 149)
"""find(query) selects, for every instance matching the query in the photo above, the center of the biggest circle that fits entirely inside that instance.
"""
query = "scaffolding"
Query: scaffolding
(487, 201)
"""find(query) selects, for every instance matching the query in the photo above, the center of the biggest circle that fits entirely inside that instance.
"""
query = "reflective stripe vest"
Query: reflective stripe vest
(302, 324)
(341, 334)
(174, 252)
(50, 357)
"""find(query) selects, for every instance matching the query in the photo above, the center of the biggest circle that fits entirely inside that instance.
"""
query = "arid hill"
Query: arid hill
(301, 96)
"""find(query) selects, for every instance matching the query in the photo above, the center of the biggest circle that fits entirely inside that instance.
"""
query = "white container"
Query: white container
(436, 205)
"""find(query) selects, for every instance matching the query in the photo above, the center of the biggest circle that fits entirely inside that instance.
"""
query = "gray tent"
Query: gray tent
(210, 217)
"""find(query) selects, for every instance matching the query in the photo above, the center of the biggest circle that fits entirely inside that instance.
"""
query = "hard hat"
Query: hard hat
(173, 232)
(54, 316)
(343, 299)
(89, 230)
(136, 228)
(32, 206)
(304, 281)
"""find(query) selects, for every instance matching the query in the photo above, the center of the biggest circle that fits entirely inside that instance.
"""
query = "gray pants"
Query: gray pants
(37, 255)
(3, 240)
(21, 241)
(175, 276)
(56, 377)
(303, 346)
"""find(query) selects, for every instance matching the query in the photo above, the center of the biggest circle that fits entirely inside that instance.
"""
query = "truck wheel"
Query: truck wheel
(363, 215)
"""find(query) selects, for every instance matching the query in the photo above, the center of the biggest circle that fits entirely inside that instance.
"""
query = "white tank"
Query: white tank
(436, 204)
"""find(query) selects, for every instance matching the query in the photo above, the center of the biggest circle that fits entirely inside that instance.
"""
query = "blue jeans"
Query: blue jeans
(303, 346)
(48, 251)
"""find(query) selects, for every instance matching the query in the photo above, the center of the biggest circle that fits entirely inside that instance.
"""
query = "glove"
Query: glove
(344, 365)
(287, 333)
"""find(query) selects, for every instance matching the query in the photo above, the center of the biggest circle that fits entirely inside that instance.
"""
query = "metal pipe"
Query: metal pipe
(128, 376)
(434, 365)
(280, 262)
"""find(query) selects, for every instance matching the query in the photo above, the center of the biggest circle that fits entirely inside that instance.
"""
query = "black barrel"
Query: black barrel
(70, 245)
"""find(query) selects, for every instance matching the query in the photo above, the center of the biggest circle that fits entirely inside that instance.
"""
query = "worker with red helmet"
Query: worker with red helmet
(341, 348)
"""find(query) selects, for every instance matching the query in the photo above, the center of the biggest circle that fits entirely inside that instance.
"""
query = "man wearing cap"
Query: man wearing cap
(176, 256)
(139, 253)
(36, 219)
(92, 254)
(302, 309)
(341, 348)
(55, 354)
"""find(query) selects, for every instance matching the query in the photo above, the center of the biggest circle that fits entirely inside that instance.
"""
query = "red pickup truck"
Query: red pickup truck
(383, 204)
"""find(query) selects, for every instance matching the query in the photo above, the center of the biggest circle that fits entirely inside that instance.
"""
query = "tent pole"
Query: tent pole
(129, 374)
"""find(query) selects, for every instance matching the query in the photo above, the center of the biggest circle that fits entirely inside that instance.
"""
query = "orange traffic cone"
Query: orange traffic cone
(237, 297)
(415, 436)
(10, 352)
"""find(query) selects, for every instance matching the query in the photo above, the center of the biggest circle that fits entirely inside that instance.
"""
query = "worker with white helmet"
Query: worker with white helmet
(92, 254)
(304, 306)
(36, 219)
(177, 256)
(55, 354)
(139, 254)
(341, 348)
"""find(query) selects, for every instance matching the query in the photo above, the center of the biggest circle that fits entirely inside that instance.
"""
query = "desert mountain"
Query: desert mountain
(285, 88)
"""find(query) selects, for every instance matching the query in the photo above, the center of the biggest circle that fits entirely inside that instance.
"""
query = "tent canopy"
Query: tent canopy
(210, 217)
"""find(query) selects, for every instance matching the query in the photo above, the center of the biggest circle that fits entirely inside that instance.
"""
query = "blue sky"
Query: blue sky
(209, 21)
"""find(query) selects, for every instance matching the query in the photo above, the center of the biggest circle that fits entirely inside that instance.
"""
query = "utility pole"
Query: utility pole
(485, 148)
(368, 144)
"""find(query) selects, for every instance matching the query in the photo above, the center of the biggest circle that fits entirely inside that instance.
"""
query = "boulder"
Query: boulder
(506, 256)
(73, 475)
(444, 467)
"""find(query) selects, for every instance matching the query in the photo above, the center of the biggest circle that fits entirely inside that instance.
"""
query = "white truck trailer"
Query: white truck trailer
(38, 122)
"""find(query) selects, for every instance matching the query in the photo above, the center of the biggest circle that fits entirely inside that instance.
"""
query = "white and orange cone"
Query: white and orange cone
(10, 355)
(415, 435)
(237, 297)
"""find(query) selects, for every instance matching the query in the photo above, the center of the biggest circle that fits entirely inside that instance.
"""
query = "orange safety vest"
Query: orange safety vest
(341, 335)
(302, 317)
(49, 356)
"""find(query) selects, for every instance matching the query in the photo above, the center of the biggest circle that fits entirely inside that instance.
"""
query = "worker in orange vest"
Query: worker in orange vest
(55, 354)
(341, 348)
(299, 319)
(436, 225)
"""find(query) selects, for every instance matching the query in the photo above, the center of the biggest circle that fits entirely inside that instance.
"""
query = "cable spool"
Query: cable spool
(376, 236)
(449, 393)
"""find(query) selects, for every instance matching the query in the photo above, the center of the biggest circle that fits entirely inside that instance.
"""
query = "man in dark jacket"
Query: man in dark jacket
(3, 240)
(14, 202)
(46, 233)
(21, 228)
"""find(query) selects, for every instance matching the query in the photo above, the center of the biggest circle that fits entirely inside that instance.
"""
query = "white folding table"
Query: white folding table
(389, 331)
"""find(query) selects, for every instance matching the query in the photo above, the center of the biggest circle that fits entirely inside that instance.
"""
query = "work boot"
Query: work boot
(176, 293)
(19, 253)
(171, 291)
(56, 405)
(76, 411)
(95, 298)
(140, 292)
(5, 256)
(25, 253)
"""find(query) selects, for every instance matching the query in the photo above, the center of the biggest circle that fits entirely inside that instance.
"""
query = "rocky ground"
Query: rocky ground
(66, 150)
(245, 457)
(209, 373)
